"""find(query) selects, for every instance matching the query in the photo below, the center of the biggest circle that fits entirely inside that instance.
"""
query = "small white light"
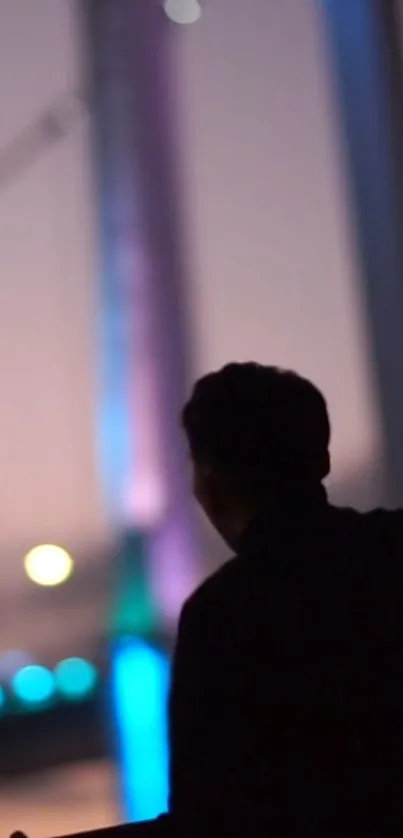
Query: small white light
(183, 11)
(48, 565)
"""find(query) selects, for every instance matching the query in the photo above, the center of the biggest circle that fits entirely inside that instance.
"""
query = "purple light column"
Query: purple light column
(144, 277)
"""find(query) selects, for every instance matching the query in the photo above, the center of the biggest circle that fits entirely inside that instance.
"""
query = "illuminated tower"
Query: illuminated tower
(144, 378)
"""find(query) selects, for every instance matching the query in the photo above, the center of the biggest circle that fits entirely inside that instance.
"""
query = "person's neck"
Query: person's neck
(299, 496)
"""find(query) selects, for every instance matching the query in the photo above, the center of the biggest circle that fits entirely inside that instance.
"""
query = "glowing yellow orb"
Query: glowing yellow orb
(48, 565)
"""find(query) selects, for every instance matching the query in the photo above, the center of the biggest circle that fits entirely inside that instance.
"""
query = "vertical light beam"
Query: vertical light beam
(140, 680)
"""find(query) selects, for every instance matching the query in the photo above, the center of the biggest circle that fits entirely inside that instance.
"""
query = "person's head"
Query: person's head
(254, 432)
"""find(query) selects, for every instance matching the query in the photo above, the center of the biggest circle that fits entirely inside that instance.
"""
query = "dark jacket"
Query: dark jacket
(286, 710)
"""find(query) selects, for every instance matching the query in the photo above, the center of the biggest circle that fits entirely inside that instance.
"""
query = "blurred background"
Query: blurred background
(182, 184)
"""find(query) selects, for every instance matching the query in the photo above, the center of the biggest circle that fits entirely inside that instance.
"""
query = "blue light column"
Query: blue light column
(144, 382)
(363, 39)
(140, 678)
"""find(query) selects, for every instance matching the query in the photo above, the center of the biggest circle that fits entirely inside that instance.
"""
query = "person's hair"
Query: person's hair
(259, 426)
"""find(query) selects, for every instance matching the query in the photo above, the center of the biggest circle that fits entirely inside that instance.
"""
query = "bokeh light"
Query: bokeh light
(75, 678)
(33, 685)
(48, 565)
(3, 699)
(183, 11)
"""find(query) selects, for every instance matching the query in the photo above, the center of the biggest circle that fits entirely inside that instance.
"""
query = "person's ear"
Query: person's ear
(201, 481)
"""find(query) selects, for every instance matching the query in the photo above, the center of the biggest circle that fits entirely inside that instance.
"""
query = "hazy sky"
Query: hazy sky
(49, 486)
(48, 483)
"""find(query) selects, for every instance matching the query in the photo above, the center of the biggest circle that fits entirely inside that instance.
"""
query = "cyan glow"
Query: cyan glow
(140, 679)
(75, 678)
(33, 685)
(2, 699)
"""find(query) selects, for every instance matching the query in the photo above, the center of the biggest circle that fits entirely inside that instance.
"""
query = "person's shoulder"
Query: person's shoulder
(214, 588)
(387, 521)
(379, 518)
(380, 526)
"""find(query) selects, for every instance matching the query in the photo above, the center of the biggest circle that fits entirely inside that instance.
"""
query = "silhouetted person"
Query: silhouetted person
(286, 710)
(287, 698)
